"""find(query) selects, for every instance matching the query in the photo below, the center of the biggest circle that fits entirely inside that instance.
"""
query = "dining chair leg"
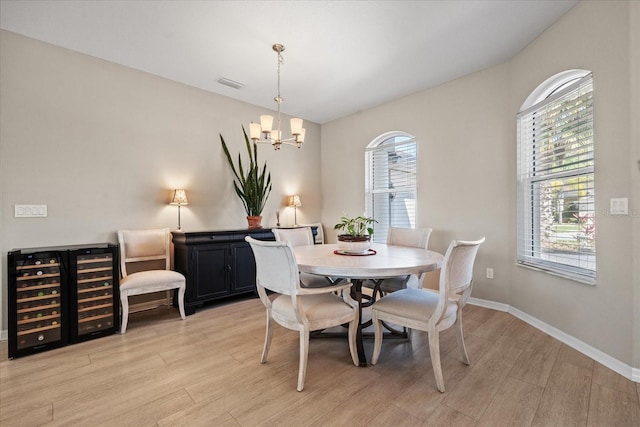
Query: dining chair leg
(304, 355)
(460, 338)
(377, 340)
(124, 301)
(181, 292)
(353, 331)
(434, 350)
(267, 338)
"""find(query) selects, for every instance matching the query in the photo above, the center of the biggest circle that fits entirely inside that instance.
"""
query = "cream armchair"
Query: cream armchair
(148, 253)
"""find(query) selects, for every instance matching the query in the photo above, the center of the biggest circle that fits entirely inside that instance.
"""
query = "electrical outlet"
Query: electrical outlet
(619, 206)
(30, 211)
(489, 273)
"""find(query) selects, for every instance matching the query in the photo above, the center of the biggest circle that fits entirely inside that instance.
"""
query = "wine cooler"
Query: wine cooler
(62, 295)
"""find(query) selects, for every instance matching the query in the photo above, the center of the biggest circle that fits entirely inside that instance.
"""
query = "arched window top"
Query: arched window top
(390, 138)
(553, 85)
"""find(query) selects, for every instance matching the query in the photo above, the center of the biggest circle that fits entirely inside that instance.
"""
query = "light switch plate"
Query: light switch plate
(619, 206)
(30, 211)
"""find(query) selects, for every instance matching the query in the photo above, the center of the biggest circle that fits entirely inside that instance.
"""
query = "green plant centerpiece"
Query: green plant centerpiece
(356, 234)
(252, 185)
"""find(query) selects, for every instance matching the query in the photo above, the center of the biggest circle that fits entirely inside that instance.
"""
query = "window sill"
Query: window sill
(585, 280)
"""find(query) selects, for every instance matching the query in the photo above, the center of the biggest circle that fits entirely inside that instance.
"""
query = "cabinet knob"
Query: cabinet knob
(228, 267)
(212, 237)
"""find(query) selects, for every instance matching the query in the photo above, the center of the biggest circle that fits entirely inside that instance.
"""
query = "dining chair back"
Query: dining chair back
(412, 237)
(295, 307)
(299, 236)
(302, 236)
(430, 311)
(145, 267)
(319, 237)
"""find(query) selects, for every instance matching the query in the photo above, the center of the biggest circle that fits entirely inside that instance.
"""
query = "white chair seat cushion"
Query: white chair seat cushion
(152, 279)
(415, 304)
(313, 281)
(316, 307)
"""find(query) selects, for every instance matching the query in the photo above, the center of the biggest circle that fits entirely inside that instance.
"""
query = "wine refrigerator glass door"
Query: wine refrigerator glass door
(96, 280)
(37, 294)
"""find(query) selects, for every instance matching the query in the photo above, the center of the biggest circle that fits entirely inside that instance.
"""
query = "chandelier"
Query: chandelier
(265, 127)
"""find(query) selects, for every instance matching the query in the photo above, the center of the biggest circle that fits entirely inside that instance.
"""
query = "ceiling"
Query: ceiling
(341, 56)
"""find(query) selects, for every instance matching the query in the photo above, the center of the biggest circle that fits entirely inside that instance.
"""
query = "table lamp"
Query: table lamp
(180, 199)
(295, 202)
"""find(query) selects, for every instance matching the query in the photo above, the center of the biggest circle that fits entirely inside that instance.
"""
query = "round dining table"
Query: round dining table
(381, 261)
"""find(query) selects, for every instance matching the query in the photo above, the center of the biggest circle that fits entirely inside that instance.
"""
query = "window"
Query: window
(391, 182)
(556, 208)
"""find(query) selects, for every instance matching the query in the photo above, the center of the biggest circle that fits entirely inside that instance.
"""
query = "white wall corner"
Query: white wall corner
(599, 356)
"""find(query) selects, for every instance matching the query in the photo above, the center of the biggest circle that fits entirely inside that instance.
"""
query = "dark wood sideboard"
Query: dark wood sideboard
(217, 264)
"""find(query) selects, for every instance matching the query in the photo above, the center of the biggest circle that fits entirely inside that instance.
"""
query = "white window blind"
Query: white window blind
(556, 207)
(391, 183)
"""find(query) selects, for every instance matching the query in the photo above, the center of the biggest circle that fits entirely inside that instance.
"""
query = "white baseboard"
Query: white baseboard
(599, 356)
(489, 304)
(4, 335)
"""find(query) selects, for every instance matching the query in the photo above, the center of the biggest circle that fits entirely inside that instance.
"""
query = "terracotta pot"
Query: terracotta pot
(254, 221)
(354, 244)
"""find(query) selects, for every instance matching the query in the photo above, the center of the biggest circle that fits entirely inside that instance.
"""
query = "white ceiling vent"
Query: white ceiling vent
(231, 83)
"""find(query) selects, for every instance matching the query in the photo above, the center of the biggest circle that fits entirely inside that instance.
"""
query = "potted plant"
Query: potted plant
(252, 186)
(356, 233)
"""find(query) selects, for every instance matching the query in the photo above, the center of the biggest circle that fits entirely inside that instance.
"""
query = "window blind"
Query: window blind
(391, 185)
(556, 205)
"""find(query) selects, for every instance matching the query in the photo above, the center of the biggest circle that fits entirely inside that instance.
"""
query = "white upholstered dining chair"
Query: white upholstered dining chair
(145, 266)
(297, 308)
(430, 311)
(411, 237)
(302, 236)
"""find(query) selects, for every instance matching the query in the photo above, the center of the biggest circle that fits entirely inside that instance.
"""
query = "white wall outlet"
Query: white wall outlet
(619, 206)
(30, 211)
(489, 273)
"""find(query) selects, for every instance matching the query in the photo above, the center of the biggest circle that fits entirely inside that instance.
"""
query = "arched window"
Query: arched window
(391, 182)
(556, 207)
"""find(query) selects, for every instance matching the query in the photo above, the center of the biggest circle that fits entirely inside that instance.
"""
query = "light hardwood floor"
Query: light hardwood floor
(206, 371)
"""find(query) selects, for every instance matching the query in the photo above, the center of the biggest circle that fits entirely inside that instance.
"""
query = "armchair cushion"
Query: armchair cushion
(162, 279)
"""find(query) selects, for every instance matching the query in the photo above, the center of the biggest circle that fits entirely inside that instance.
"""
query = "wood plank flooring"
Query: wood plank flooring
(206, 371)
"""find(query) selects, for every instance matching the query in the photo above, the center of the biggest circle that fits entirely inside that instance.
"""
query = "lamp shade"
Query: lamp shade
(295, 201)
(296, 126)
(254, 130)
(179, 198)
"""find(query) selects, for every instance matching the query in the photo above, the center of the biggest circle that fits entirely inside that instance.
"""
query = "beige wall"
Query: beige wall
(467, 164)
(463, 167)
(103, 146)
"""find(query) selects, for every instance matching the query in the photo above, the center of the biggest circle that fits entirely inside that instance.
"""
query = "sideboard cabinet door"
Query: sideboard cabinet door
(243, 268)
(210, 271)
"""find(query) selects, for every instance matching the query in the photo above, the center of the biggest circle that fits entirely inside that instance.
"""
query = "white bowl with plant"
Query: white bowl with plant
(356, 234)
